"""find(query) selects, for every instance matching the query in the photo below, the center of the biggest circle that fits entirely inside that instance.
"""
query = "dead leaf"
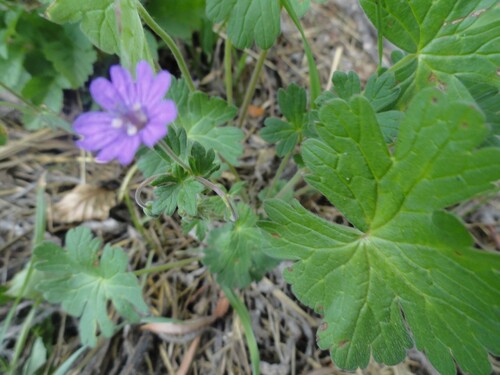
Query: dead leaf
(255, 111)
(189, 326)
(83, 203)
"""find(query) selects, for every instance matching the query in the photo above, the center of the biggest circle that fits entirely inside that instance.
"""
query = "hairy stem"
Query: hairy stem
(251, 87)
(169, 42)
(225, 198)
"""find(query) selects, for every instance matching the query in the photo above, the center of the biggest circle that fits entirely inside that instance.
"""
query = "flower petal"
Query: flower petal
(105, 94)
(143, 72)
(163, 113)
(92, 122)
(122, 80)
(124, 150)
(152, 91)
(98, 141)
(151, 134)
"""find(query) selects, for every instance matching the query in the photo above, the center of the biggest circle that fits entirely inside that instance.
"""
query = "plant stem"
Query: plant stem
(171, 154)
(225, 198)
(290, 184)
(277, 176)
(210, 185)
(380, 35)
(244, 316)
(169, 42)
(314, 78)
(167, 266)
(137, 224)
(228, 70)
(251, 87)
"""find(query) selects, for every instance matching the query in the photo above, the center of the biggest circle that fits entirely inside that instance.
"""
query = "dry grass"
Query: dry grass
(285, 330)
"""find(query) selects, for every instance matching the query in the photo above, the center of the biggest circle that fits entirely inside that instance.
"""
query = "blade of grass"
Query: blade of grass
(244, 316)
(40, 222)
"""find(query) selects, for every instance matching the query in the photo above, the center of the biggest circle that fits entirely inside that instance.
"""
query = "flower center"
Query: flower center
(134, 119)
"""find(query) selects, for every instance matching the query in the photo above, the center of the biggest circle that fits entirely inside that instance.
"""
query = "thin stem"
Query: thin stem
(137, 224)
(174, 157)
(27, 102)
(225, 198)
(251, 87)
(290, 184)
(240, 66)
(169, 42)
(167, 266)
(21, 339)
(277, 176)
(126, 182)
(314, 78)
(228, 71)
(246, 322)
(303, 191)
(380, 35)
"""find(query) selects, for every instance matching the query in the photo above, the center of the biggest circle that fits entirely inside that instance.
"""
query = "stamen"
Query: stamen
(131, 130)
(136, 106)
(117, 123)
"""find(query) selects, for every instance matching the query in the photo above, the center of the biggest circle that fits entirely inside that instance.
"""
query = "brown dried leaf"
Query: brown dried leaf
(84, 202)
(192, 325)
(255, 111)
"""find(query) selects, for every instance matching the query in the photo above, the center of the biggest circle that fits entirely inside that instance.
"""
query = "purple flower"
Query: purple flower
(135, 113)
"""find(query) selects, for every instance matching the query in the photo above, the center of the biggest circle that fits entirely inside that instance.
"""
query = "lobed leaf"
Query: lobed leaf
(286, 135)
(235, 251)
(85, 284)
(113, 26)
(248, 20)
(202, 118)
(449, 44)
(407, 274)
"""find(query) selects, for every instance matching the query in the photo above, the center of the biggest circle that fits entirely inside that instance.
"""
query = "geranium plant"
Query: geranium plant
(420, 137)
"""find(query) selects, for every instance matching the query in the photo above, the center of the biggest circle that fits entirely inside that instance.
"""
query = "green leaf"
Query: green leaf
(151, 164)
(202, 116)
(446, 41)
(248, 20)
(85, 284)
(14, 74)
(113, 26)
(407, 274)
(98, 20)
(155, 161)
(235, 251)
(72, 55)
(201, 161)
(46, 90)
(37, 358)
(302, 6)
(133, 45)
(286, 135)
(382, 90)
(178, 190)
(179, 19)
(346, 85)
